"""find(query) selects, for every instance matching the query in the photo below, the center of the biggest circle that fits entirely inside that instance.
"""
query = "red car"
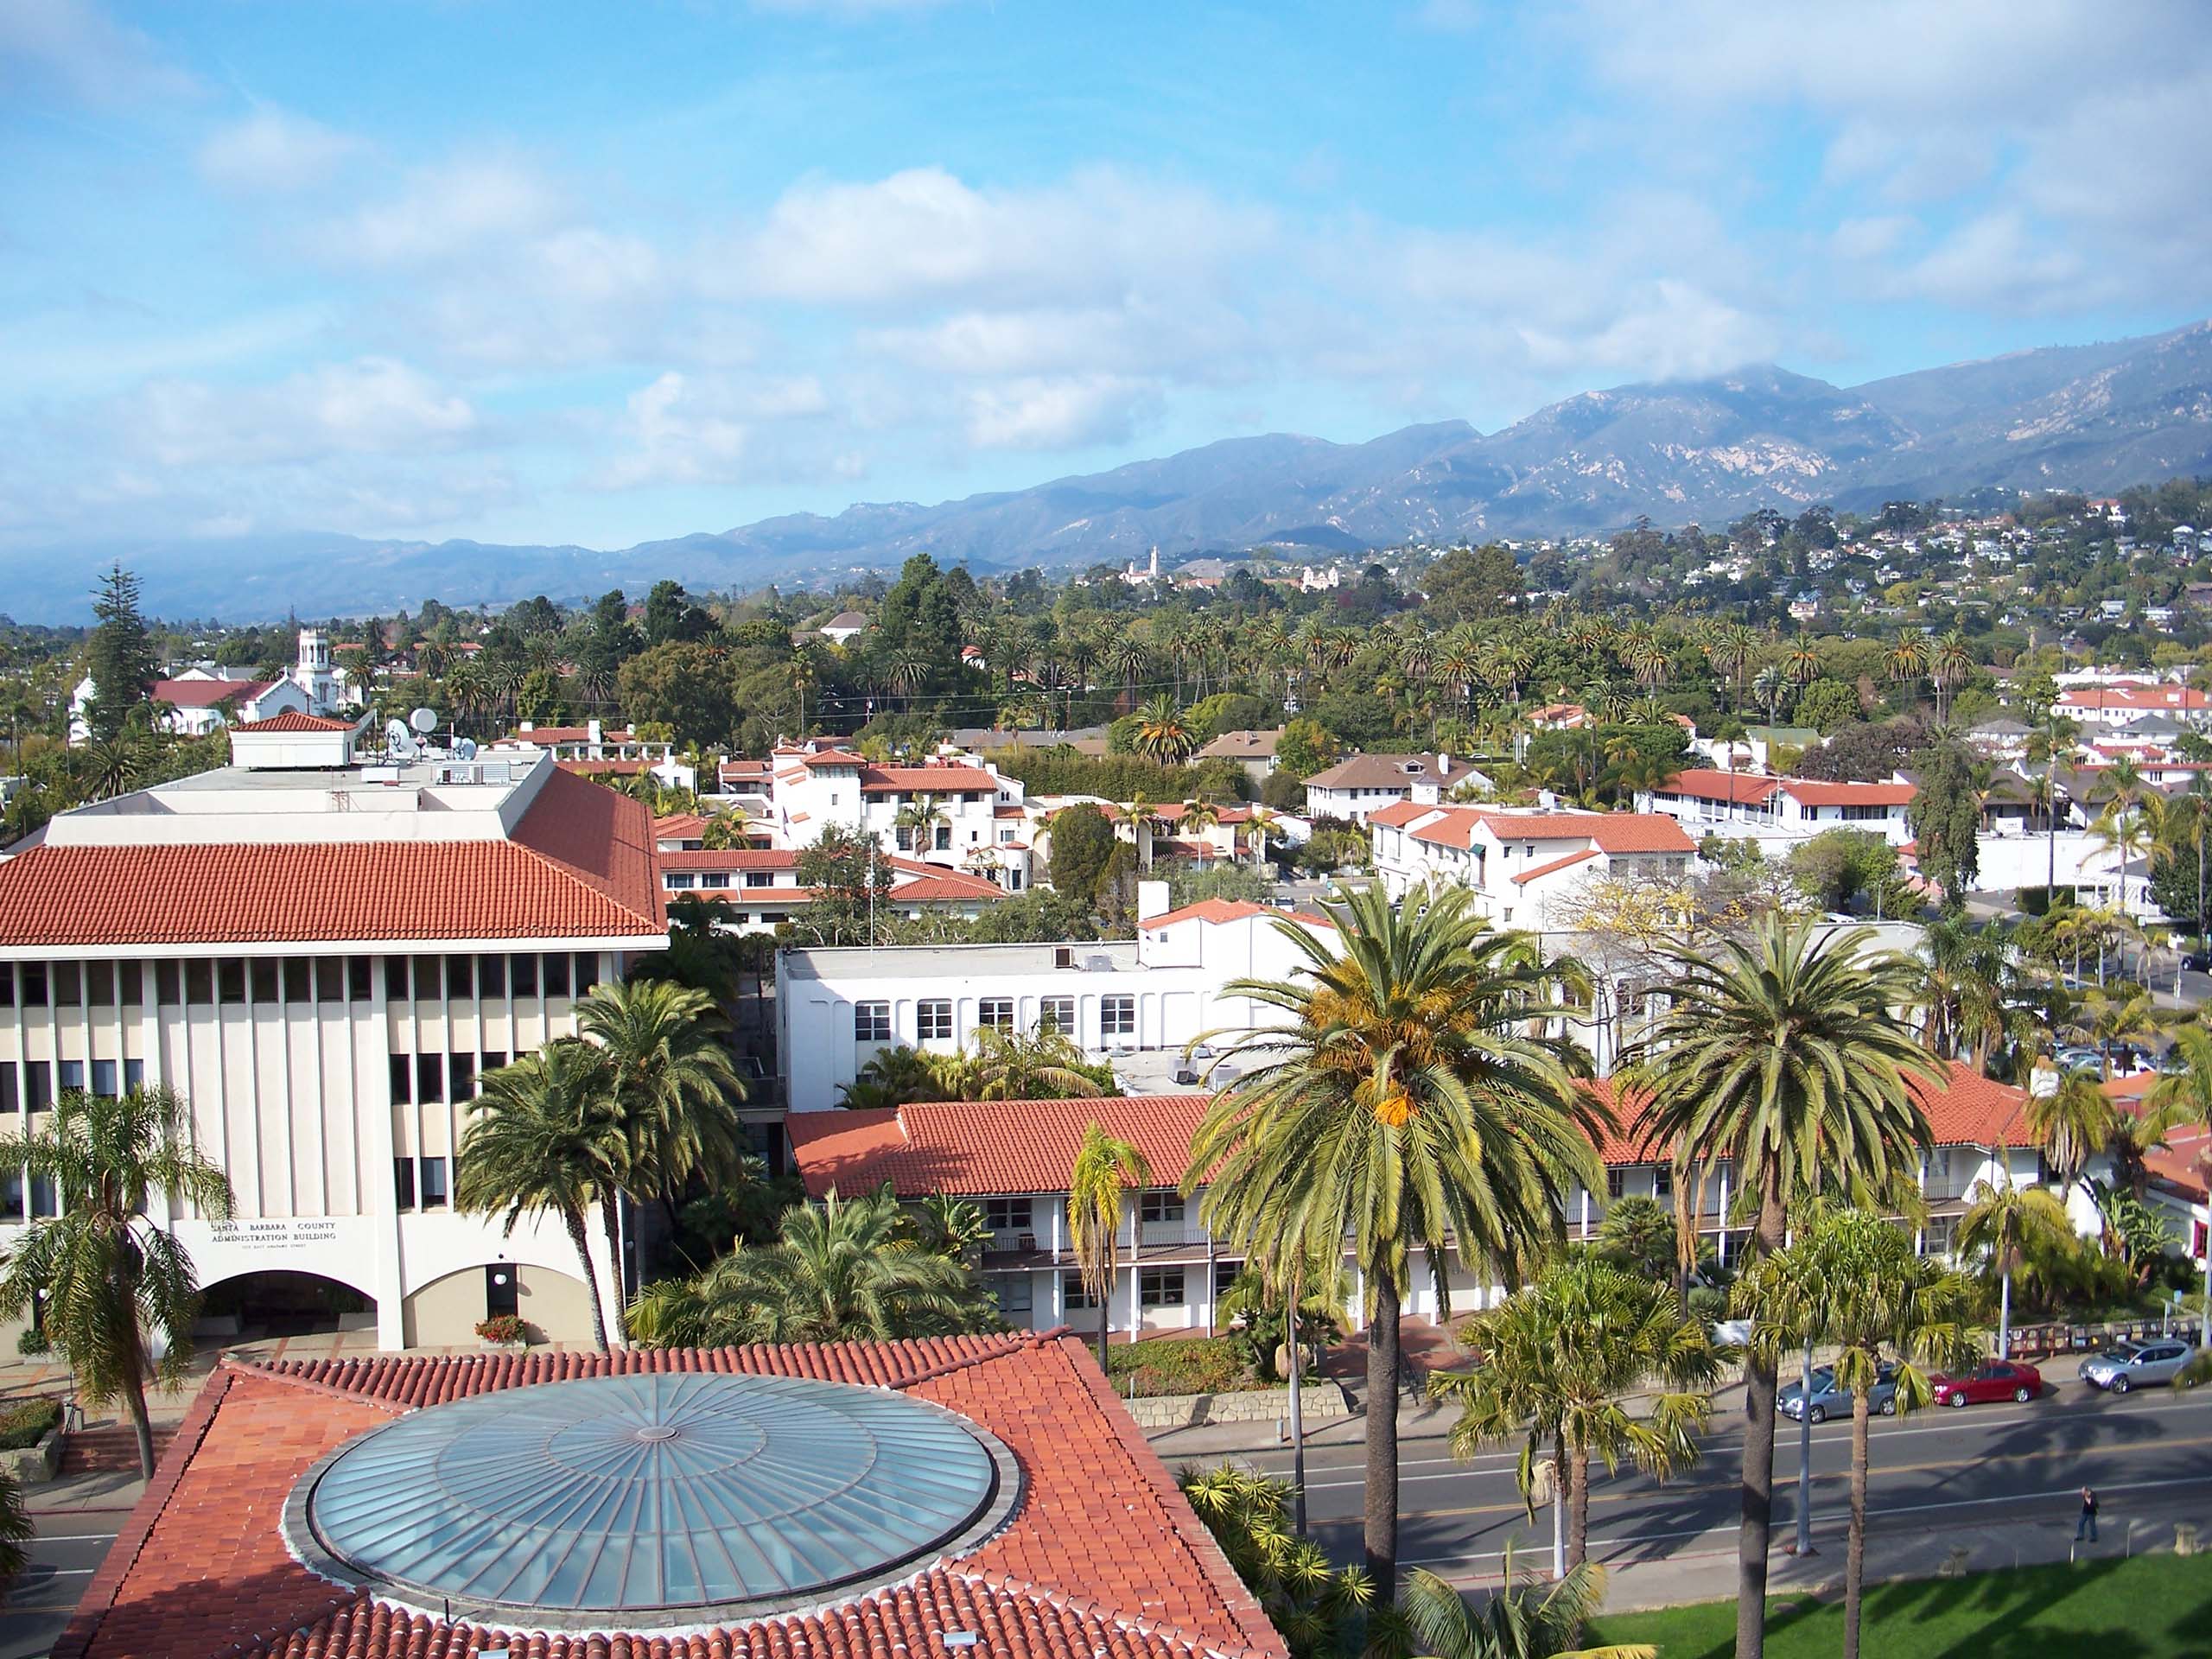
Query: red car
(1995, 1379)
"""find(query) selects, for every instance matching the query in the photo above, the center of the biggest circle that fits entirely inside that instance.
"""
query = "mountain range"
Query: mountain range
(2095, 417)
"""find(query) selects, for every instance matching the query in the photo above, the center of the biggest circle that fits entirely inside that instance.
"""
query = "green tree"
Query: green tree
(851, 880)
(1083, 840)
(1558, 1360)
(1162, 737)
(1946, 817)
(682, 685)
(1780, 1054)
(1405, 1100)
(1105, 1167)
(1305, 747)
(106, 1273)
(2009, 1226)
(1853, 1279)
(1525, 1619)
(120, 662)
(1471, 585)
(1033, 1065)
(1827, 705)
(1317, 1607)
(545, 1138)
(1638, 1234)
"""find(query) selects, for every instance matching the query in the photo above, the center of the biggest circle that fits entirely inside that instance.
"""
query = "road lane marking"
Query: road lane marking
(73, 1538)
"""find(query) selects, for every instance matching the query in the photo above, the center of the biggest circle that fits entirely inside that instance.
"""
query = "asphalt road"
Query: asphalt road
(2149, 1456)
(65, 1551)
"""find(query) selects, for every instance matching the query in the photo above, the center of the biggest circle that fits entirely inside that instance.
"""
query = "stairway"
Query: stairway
(110, 1449)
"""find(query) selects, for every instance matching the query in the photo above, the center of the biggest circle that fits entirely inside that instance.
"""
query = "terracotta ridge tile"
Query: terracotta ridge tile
(98, 1600)
(1022, 1589)
(1243, 1607)
(313, 1384)
(1013, 1343)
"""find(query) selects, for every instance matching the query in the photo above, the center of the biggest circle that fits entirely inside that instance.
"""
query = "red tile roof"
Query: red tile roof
(292, 721)
(1526, 876)
(1213, 912)
(1104, 1558)
(945, 885)
(727, 858)
(984, 1147)
(1748, 789)
(207, 694)
(580, 866)
(1810, 793)
(1399, 814)
(927, 780)
(1611, 832)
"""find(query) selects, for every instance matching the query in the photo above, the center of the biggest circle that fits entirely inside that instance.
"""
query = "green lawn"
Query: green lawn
(2152, 1607)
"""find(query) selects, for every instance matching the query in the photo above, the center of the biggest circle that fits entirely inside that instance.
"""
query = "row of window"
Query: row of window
(1016, 1215)
(1117, 1017)
(681, 881)
(1156, 1286)
(271, 980)
(36, 1084)
(432, 1079)
(420, 1183)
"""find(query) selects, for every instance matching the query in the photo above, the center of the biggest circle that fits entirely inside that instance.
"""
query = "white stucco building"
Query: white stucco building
(974, 815)
(1777, 813)
(321, 954)
(1526, 870)
(1363, 784)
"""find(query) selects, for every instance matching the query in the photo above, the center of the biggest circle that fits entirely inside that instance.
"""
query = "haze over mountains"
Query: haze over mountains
(2091, 417)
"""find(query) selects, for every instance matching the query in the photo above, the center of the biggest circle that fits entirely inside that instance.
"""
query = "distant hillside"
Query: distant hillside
(2091, 417)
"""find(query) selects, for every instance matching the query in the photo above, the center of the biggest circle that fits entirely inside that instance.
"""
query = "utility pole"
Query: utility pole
(1805, 1457)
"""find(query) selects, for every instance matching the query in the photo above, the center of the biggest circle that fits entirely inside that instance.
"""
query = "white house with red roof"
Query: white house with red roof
(1132, 1002)
(2123, 701)
(760, 887)
(1779, 812)
(957, 797)
(1525, 869)
(1360, 784)
(322, 952)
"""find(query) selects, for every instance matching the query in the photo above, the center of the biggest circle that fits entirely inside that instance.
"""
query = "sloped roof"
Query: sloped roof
(1736, 788)
(936, 781)
(208, 694)
(580, 866)
(1610, 832)
(1242, 746)
(1522, 878)
(293, 720)
(1104, 1558)
(1399, 814)
(1388, 772)
(1809, 792)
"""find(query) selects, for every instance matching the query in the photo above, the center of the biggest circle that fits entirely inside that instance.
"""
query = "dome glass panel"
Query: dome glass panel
(670, 1494)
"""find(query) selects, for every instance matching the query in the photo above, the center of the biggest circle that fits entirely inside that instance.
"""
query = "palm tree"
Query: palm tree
(1197, 818)
(1104, 1168)
(1968, 993)
(1802, 665)
(1126, 658)
(673, 1087)
(1557, 1359)
(2071, 1124)
(1161, 736)
(1768, 686)
(2127, 831)
(1521, 1621)
(919, 820)
(1907, 656)
(1949, 665)
(1853, 1279)
(2011, 1225)
(1781, 1055)
(106, 1273)
(845, 1270)
(1404, 1100)
(1032, 1065)
(544, 1137)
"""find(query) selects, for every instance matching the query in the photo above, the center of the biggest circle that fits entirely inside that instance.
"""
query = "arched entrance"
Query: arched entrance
(280, 1302)
(553, 1305)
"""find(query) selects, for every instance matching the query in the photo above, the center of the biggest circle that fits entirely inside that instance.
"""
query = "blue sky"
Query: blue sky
(603, 273)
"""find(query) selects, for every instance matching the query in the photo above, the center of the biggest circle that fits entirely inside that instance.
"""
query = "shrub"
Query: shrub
(502, 1327)
(33, 1342)
(25, 1424)
(1177, 1365)
(1708, 1305)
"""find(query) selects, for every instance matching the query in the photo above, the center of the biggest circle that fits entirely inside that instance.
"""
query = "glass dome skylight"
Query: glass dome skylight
(653, 1499)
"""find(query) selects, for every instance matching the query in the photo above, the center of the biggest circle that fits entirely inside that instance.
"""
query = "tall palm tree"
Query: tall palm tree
(1949, 663)
(1105, 1168)
(1968, 994)
(2071, 1124)
(544, 1137)
(107, 1272)
(1403, 1101)
(1853, 1279)
(2010, 1226)
(1126, 658)
(673, 1085)
(1197, 818)
(1781, 1055)
(1802, 665)
(920, 819)
(845, 1270)
(1907, 658)
(1161, 735)
(1558, 1359)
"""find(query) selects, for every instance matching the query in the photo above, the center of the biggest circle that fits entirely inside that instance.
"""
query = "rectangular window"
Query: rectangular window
(403, 1079)
(402, 1182)
(429, 980)
(494, 1058)
(34, 984)
(68, 985)
(944, 838)
(361, 979)
(557, 975)
(996, 1013)
(8, 1098)
(1056, 1013)
(134, 1076)
(72, 1076)
(871, 1022)
(38, 1085)
(1614, 1186)
(330, 979)
(433, 1183)
(6, 984)
(587, 972)
(12, 1195)
(1662, 1182)
(759, 879)
(42, 1200)
(264, 981)
(1155, 1207)
(131, 984)
(1159, 1287)
(680, 881)
(462, 1070)
(100, 984)
(199, 982)
(1073, 1296)
(103, 1079)
(1007, 1214)
(933, 1020)
(395, 978)
(430, 1078)
(299, 979)
(1117, 1016)
(1224, 1276)
(491, 976)
(523, 973)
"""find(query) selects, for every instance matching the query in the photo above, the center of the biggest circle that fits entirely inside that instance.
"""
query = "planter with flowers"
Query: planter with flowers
(503, 1333)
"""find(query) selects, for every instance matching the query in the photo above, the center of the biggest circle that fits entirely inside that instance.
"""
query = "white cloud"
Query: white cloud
(73, 46)
(370, 406)
(448, 212)
(272, 150)
(1061, 412)
(693, 430)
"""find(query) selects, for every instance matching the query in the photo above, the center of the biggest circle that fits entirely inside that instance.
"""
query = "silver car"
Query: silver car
(2135, 1364)
(1831, 1400)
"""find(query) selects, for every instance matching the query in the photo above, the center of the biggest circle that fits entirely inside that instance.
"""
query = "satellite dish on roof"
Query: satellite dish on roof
(465, 749)
(424, 720)
(398, 741)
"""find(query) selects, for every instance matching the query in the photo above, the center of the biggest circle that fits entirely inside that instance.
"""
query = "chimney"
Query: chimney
(1151, 900)
(591, 729)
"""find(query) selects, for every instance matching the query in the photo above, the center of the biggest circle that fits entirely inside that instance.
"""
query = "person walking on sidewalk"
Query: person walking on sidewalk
(2087, 1523)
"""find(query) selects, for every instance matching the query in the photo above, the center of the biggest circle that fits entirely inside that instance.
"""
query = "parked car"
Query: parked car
(2197, 961)
(1830, 1401)
(2127, 1365)
(1995, 1379)
(2074, 1057)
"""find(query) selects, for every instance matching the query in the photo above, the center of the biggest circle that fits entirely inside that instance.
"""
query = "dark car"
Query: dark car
(1995, 1379)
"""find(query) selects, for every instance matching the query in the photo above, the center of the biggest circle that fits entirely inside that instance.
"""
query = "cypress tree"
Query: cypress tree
(121, 660)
